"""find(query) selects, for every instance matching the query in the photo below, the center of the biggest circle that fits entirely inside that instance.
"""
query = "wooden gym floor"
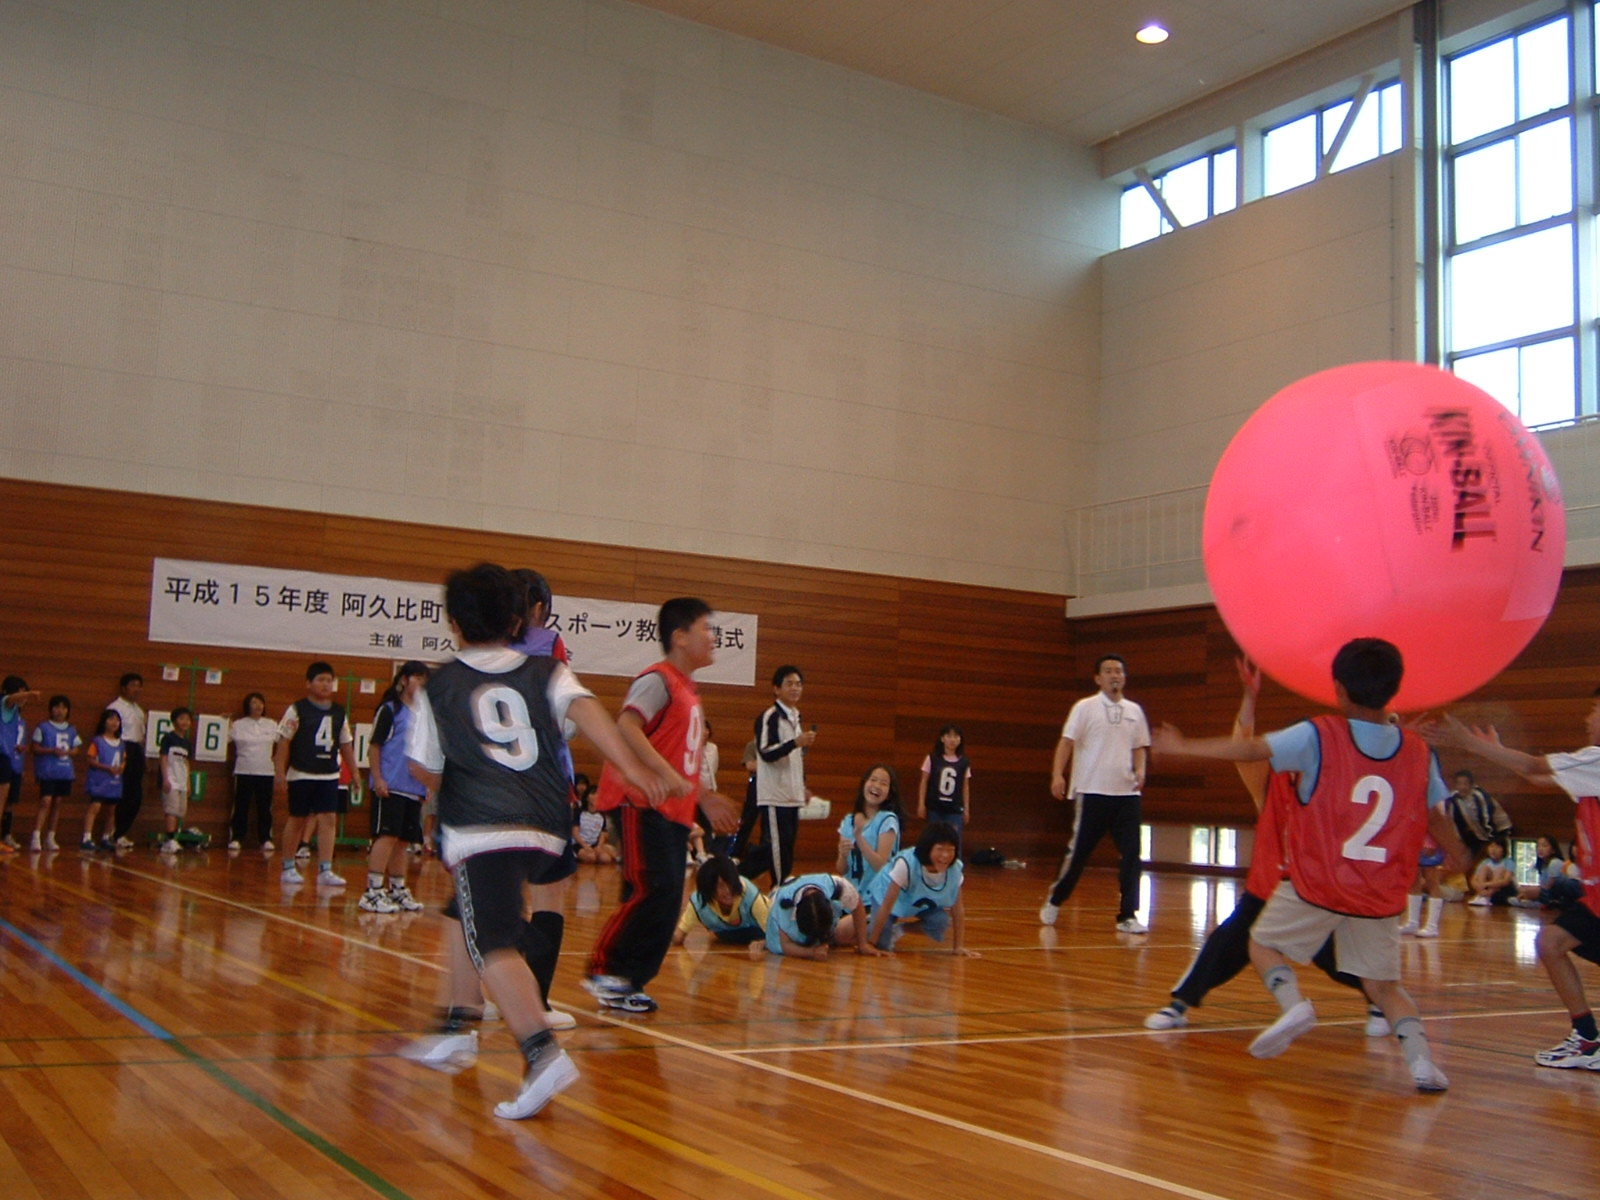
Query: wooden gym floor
(188, 1030)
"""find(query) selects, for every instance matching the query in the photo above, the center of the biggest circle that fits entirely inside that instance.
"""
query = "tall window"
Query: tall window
(1292, 153)
(1193, 191)
(1512, 269)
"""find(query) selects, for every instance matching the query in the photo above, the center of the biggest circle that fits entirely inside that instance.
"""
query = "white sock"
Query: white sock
(1434, 912)
(1414, 909)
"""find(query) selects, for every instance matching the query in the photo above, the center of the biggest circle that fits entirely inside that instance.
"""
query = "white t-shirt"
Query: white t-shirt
(1104, 734)
(132, 719)
(253, 739)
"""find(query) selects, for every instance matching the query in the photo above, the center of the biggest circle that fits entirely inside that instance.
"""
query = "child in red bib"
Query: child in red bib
(1367, 793)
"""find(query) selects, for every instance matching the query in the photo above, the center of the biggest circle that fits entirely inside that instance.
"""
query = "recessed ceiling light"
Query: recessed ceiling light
(1152, 34)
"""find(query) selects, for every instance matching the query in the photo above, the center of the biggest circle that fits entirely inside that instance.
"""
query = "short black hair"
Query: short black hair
(106, 716)
(719, 868)
(1370, 670)
(181, 711)
(244, 707)
(130, 677)
(680, 613)
(535, 584)
(58, 698)
(935, 833)
(814, 917)
(1463, 772)
(1105, 658)
(484, 603)
(320, 668)
(784, 672)
(12, 685)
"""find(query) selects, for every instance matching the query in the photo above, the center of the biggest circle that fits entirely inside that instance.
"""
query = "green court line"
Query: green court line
(257, 1101)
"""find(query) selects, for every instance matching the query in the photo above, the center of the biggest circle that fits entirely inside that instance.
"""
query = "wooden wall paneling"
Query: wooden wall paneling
(887, 660)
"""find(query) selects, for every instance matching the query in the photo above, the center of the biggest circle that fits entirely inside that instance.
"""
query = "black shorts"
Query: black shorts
(55, 787)
(488, 899)
(1585, 926)
(398, 816)
(308, 797)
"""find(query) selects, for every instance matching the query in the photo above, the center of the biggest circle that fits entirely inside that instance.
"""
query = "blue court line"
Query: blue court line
(313, 1139)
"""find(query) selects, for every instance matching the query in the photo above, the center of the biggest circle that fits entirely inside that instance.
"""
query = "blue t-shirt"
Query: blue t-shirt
(1298, 749)
(100, 783)
(13, 734)
(856, 867)
(47, 737)
(921, 890)
(780, 920)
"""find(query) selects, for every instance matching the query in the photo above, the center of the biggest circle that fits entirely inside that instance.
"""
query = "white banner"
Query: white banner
(224, 604)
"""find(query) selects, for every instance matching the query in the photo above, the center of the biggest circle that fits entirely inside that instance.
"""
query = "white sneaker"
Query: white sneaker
(1428, 931)
(447, 1052)
(1574, 1052)
(557, 1019)
(1048, 913)
(1409, 927)
(491, 1011)
(328, 879)
(1480, 902)
(553, 1073)
(290, 877)
(36, 842)
(124, 843)
(50, 843)
(1377, 1024)
(404, 900)
(1132, 925)
(1428, 1077)
(303, 852)
(234, 845)
(1166, 1018)
(1275, 1038)
(601, 986)
(267, 847)
(374, 900)
(170, 846)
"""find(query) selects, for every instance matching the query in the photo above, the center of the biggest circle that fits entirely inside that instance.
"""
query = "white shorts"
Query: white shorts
(175, 804)
(1368, 947)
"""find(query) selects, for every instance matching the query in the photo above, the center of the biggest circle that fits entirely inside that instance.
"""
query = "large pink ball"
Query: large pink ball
(1388, 500)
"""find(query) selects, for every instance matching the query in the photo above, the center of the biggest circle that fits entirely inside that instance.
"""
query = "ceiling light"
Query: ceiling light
(1152, 34)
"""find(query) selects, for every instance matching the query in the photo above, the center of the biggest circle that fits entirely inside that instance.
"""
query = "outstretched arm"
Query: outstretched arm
(1449, 731)
(1170, 740)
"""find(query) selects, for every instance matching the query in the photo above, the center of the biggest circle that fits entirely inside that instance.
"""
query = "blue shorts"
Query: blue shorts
(1431, 859)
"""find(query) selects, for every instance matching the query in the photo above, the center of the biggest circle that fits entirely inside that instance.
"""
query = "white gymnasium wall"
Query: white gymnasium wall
(565, 267)
(1204, 325)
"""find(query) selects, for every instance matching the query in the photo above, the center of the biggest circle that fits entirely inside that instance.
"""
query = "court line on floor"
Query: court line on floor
(243, 963)
(660, 1141)
(310, 1137)
(729, 1056)
(910, 1110)
(1090, 1035)
(744, 1058)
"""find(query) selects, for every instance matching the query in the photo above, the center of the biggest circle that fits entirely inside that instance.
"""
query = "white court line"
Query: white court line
(728, 1056)
(1102, 1034)
(745, 1058)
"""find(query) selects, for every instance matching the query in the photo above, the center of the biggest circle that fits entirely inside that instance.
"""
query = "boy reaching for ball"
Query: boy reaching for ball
(1368, 791)
(1576, 930)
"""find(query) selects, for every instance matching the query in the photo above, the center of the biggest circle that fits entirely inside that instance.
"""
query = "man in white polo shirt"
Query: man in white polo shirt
(1107, 742)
